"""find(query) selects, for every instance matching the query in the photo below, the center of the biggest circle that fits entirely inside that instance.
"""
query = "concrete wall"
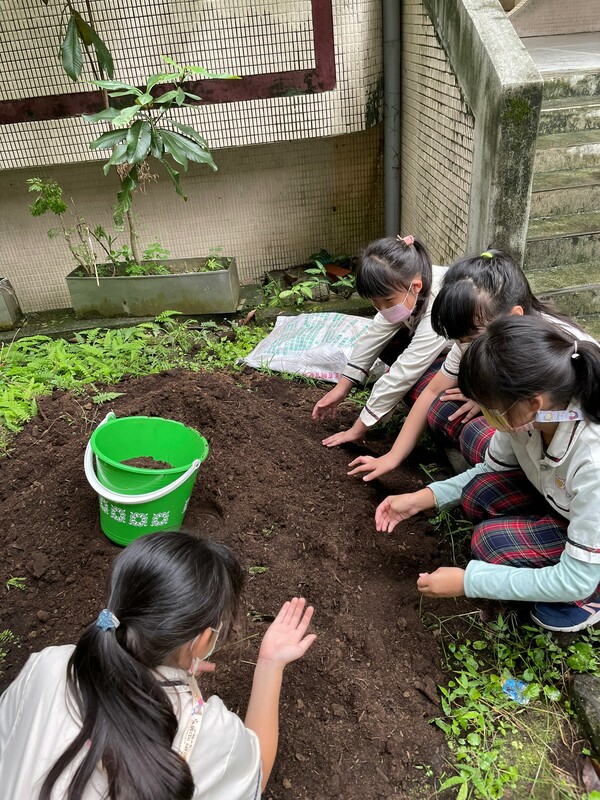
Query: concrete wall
(270, 205)
(552, 17)
(479, 114)
(437, 141)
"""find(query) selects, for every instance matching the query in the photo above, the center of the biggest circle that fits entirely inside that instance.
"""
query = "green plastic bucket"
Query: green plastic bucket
(136, 500)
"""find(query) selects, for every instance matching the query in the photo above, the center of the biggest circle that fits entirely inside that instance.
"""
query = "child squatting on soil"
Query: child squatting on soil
(397, 275)
(535, 499)
(121, 715)
(475, 291)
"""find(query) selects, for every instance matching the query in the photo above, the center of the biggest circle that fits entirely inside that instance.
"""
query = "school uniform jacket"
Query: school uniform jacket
(424, 347)
(39, 719)
(567, 475)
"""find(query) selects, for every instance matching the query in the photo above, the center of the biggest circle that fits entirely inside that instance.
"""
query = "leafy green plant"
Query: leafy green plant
(7, 640)
(257, 570)
(488, 731)
(106, 397)
(16, 583)
(144, 130)
(34, 366)
(215, 261)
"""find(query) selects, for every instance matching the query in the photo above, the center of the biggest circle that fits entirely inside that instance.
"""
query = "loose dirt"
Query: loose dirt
(355, 712)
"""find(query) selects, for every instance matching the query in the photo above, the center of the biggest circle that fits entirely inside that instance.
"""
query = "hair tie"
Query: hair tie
(106, 620)
(575, 354)
(486, 254)
(407, 240)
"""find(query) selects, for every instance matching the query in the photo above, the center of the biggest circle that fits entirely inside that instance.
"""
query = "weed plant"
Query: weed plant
(502, 746)
(37, 365)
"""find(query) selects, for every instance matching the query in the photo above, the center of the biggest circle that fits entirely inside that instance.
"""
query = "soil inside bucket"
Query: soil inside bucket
(147, 462)
(356, 711)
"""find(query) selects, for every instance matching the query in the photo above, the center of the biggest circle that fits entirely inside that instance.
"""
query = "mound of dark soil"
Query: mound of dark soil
(355, 712)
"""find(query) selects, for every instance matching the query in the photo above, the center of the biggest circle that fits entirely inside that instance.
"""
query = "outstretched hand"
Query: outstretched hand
(370, 467)
(444, 582)
(286, 639)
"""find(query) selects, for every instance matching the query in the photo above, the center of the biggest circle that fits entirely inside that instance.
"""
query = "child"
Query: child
(536, 497)
(475, 291)
(397, 275)
(120, 714)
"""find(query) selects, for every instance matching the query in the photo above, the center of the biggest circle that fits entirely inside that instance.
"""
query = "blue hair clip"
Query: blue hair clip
(106, 620)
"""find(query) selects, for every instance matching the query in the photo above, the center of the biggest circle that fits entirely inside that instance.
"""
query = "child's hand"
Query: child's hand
(330, 401)
(354, 434)
(467, 411)
(373, 467)
(398, 507)
(444, 582)
(285, 639)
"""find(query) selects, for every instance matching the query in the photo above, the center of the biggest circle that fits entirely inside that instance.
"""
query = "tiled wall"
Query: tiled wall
(295, 173)
(270, 205)
(437, 141)
(552, 17)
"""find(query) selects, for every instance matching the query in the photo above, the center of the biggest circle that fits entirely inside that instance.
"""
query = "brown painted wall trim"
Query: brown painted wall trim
(250, 87)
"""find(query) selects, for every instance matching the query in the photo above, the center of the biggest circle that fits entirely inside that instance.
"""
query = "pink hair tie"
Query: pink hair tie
(408, 240)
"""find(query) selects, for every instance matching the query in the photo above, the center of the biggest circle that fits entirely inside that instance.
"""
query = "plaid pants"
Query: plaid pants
(425, 378)
(513, 523)
(471, 438)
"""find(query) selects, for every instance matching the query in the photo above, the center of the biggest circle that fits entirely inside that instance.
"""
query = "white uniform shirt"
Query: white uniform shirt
(38, 721)
(424, 347)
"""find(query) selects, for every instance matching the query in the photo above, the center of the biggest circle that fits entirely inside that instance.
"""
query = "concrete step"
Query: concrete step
(565, 192)
(567, 276)
(563, 239)
(570, 84)
(569, 114)
(571, 150)
(576, 301)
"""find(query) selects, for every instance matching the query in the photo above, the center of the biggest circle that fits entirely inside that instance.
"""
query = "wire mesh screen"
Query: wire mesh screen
(309, 68)
(229, 35)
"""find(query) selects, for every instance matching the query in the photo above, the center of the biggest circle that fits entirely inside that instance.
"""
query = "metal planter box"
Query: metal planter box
(10, 311)
(189, 292)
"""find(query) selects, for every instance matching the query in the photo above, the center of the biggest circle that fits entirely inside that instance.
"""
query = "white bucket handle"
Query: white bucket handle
(130, 499)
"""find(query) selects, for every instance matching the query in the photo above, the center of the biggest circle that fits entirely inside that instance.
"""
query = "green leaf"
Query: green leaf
(126, 115)
(103, 55)
(192, 96)
(206, 74)
(109, 139)
(163, 77)
(166, 98)
(138, 141)
(145, 99)
(179, 96)
(183, 148)
(83, 28)
(156, 144)
(106, 115)
(124, 199)
(118, 157)
(174, 175)
(189, 131)
(70, 51)
(113, 86)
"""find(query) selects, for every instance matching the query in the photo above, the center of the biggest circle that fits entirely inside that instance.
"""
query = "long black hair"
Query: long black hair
(390, 265)
(518, 358)
(478, 289)
(165, 589)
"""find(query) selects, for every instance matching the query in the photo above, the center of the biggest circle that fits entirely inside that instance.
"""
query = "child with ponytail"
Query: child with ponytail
(120, 715)
(396, 274)
(475, 291)
(535, 499)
